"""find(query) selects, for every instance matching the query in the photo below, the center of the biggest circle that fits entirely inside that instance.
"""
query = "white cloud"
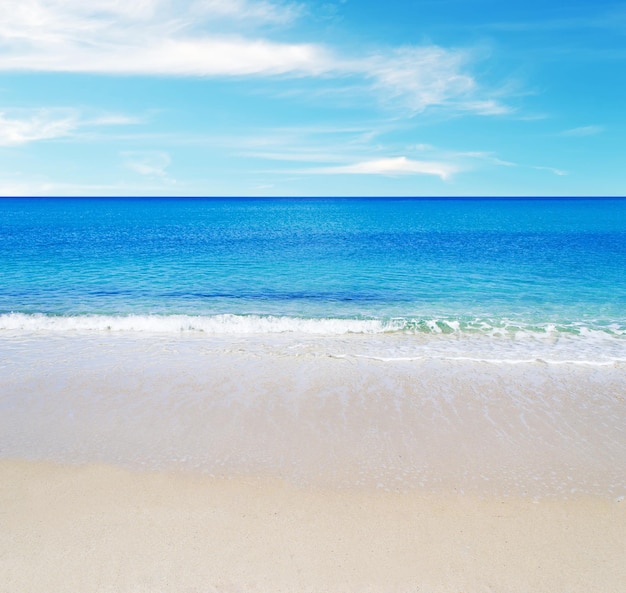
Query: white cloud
(151, 163)
(335, 151)
(552, 170)
(149, 37)
(487, 157)
(22, 126)
(259, 11)
(17, 188)
(203, 38)
(486, 107)
(299, 154)
(113, 119)
(37, 125)
(420, 76)
(422, 147)
(391, 167)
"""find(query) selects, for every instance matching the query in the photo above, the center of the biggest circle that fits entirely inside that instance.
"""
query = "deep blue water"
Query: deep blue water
(472, 264)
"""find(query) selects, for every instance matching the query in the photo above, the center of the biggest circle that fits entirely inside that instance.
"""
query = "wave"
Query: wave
(210, 324)
(264, 324)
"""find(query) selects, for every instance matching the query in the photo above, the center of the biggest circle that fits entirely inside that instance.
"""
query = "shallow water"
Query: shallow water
(472, 345)
(237, 407)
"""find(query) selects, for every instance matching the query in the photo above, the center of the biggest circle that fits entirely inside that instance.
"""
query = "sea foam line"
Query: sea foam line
(226, 324)
(612, 362)
(213, 324)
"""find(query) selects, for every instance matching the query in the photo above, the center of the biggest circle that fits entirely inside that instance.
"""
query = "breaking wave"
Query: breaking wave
(225, 324)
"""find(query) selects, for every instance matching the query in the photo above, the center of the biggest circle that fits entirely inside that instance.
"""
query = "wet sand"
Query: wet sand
(98, 528)
(178, 467)
(281, 411)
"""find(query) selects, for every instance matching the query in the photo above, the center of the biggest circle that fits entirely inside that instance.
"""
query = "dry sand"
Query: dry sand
(96, 528)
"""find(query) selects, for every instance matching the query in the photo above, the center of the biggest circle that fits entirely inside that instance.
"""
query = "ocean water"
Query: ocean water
(501, 279)
(464, 344)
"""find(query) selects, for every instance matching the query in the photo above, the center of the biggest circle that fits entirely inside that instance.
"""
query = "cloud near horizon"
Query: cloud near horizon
(391, 167)
(161, 38)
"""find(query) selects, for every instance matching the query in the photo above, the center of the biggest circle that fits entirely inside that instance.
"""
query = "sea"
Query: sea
(156, 331)
(502, 278)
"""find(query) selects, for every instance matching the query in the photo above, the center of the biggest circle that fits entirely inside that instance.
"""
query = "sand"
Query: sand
(200, 466)
(99, 528)
(273, 410)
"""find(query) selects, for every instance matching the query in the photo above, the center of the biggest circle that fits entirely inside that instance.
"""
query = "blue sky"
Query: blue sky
(344, 97)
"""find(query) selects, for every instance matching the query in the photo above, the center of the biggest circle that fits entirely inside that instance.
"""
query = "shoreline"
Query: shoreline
(98, 528)
(330, 475)
(535, 429)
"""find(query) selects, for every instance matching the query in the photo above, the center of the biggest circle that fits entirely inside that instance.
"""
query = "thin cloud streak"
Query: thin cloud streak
(11, 187)
(152, 163)
(390, 167)
(582, 131)
(558, 172)
(23, 126)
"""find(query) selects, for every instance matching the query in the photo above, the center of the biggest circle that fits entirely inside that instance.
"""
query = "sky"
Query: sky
(312, 98)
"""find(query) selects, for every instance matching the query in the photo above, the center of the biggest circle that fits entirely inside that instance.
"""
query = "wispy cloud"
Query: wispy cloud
(336, 152)
(37, 125)
(259, 11)
(15, 184)
(391, 167)
(150, 163)
(582, 131)
(552, 170)
(44, 187)
(194, 38)
(486, 157)
(23, 126)
(486, 107)
(332, 145)
(420, 76)
(490, 159)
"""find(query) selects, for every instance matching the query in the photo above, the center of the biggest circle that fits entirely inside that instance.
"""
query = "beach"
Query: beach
(170, 464)
(321, 396)
(308, 296)
(99, 529)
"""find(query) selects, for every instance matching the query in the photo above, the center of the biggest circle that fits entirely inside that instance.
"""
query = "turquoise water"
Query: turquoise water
(477, 344)
(316, 266)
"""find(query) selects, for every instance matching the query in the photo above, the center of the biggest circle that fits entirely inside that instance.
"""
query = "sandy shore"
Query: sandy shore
(195, 466)
(98, 528)
(273, 410)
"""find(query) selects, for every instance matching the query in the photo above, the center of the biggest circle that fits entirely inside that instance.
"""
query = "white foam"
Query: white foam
(391, 339)
(613, 362)
(214, 324)
(231, 323)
